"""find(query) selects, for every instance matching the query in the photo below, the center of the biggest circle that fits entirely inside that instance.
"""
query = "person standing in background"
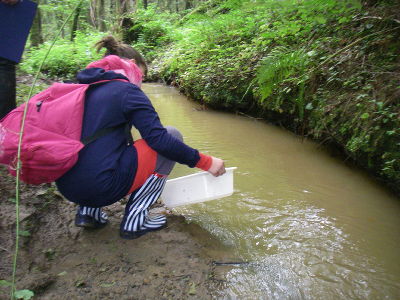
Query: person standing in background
(16, 18)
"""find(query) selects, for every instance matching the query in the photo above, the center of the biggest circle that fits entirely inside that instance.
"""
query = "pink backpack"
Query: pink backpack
(52, 132)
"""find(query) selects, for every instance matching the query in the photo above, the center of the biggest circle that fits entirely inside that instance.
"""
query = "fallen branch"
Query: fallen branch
(378, 18)
(247, 116)
(4, 249)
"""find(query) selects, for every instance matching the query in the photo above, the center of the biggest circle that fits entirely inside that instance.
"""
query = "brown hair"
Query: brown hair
(114, 47)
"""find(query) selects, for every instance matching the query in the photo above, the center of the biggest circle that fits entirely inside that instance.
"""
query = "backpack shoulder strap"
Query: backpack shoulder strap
(104, 131)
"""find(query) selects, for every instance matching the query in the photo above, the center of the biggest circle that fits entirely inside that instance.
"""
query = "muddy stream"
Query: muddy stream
(301, 223)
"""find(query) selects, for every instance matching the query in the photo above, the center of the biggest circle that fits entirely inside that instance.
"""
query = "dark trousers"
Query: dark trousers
(7, 86)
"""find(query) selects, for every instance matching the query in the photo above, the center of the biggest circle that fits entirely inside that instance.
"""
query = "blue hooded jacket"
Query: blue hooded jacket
(107, 167)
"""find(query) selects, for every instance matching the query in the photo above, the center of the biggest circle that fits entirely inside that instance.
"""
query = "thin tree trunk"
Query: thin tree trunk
(169, 5)
(92, 12)
(188, 4)
(74, 27)
(121, 10)
(122, 7)
(101, 16)
(36, 37)
(112, 6)
(145, 4)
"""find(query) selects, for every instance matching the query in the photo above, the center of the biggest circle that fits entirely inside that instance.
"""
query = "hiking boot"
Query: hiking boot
(89, 217)
(153, 223)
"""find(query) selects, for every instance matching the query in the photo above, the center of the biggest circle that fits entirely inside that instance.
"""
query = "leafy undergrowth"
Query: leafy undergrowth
(326, 69)
(66, 57)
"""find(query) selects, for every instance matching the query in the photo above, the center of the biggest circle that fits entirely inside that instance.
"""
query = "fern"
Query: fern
(279, 65)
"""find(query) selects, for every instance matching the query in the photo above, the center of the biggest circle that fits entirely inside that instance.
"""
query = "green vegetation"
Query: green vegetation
(66, 57)
(324, 69)
(150, 31)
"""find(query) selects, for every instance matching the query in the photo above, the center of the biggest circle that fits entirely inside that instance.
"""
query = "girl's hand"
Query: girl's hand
(217, 167)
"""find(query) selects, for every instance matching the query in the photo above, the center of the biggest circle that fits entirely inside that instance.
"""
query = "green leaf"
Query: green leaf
(320, 20)
(311, 53)
(365, 116)
(309, 106)
(49, 253)
(24, 233)
(107, 285)
(24, 294)
(5, 283)
(390, 132)
(79, 283)
(12, 200)
(192, 289)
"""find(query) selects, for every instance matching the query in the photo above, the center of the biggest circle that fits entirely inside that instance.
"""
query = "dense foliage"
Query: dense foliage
(326, 69)
(66, 57)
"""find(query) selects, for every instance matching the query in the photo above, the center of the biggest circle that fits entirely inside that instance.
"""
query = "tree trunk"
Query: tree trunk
(101, 16)
(92, 12)
(123, 7)
(124, 23)
(188, 4)
(145, 4)
(36, 37)
(169, 5)
(112, 6)
(74, 27)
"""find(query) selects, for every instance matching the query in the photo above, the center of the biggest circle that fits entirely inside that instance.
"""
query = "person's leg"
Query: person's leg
(90, 217)
(7, 86)
(136, 221)
(164, 166)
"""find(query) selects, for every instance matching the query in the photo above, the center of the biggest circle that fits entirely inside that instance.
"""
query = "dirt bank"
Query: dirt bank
(60, 261)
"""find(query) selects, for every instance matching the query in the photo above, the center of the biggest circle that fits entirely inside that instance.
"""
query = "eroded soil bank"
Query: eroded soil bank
(60, 261)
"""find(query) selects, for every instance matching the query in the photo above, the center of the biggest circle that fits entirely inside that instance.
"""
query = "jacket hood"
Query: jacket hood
(97, 74)
(123, 66)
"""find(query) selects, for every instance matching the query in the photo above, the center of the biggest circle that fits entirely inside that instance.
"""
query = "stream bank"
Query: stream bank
(60, 261)
(325, 70)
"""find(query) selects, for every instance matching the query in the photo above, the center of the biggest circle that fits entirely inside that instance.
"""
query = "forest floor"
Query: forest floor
(58, 260)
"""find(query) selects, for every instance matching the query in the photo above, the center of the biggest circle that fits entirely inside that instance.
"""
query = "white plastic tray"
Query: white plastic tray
(195, 188)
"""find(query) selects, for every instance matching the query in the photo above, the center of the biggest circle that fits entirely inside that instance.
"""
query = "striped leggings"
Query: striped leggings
(136, 211)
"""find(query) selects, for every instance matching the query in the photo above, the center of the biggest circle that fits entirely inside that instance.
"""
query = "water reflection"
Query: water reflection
(311, 227)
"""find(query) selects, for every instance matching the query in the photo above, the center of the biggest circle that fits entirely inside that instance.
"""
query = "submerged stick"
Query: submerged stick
(236, 263)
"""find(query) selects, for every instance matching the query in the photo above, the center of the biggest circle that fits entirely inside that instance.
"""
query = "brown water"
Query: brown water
(310, 226)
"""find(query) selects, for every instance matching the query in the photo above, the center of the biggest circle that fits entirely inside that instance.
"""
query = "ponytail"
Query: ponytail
(110, 43)
(114, 47)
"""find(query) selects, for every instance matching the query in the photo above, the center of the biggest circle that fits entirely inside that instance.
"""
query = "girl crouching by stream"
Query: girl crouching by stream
(111, 167)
